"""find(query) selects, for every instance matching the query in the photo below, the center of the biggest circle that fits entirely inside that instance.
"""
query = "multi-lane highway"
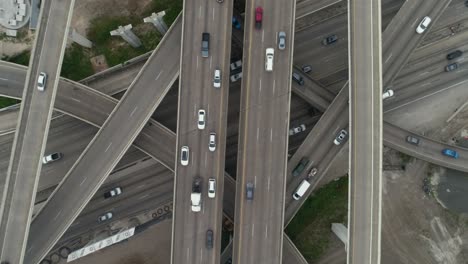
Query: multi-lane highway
(19, 187)
(365, 132)
(263, 131)
(104, 151)
(202, 119)
(400, 139)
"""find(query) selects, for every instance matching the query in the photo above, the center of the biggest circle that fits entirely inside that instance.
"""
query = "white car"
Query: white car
(184, 156)
(269, 55)
(295, 130)
(105, 217)
(211, 188)
(114, 192)
(423, 25)
(201, 119)
(387, 94)
(212, 144)
(217, 78)
(51, 157)
(41, 81)
(341, 137)
(236, 77)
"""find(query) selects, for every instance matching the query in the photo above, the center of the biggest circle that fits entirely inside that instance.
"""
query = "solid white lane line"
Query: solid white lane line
(83, 181)
(55, 218)
(391, 54)
(108, 147)
(143, 197)
(133, 112)
(274, 83)
(157, 77)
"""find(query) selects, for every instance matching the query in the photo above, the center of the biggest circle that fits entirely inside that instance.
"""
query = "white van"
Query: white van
(301, 190)
(270, 52)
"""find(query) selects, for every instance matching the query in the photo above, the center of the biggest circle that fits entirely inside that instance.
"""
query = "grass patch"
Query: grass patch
(171, 7)
(310, 229)
(5, 101)
(76, 64)
(405, 159)
(20, 58)
(115, 49)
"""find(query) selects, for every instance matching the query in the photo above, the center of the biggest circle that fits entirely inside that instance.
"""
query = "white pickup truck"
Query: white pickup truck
(195, 197)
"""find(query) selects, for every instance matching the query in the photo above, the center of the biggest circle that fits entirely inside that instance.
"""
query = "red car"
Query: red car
(258, 17)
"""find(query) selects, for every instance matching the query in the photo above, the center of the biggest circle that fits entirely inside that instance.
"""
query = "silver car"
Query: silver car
(281, 40)
(41, 81)
(217, 78)
(105, 217)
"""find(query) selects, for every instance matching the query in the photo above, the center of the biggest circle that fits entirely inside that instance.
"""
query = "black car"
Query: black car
(298, 78)
(455, 54)
(209, 239)
(330, 40)
(451, 67)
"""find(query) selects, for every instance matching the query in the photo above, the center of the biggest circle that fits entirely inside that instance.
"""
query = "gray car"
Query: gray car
(298, 78)
(451, 67)
(281, 40)
(205, 44)
(209, 239)
(249, 191)
(412, 140)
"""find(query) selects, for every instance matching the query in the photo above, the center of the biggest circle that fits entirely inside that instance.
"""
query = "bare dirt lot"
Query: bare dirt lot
(415, 227)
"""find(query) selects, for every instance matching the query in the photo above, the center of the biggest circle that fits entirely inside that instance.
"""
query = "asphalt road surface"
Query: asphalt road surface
(31, 134)
(103, 153)
(263, 134)
(401, 139)
(365, 139)
(197, 91)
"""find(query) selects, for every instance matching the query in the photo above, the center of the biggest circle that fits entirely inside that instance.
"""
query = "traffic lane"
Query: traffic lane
(80, 134)
(320, 157)
(35, 115)
(122, 207)
(434, 84)
(306, 7)
(251, 85)
(122, 213)
(88, 164)
(219, 103)
(407, 13)
(264, 116)
(190, 133)
(365, 133)
(116, 81)
(333, 57)
(398, 55)
(428, 149)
